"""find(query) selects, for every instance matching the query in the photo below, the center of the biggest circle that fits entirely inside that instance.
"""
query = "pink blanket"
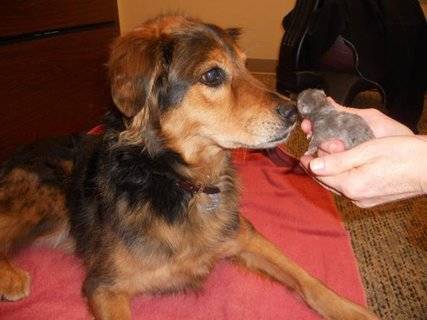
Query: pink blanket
(289, 209)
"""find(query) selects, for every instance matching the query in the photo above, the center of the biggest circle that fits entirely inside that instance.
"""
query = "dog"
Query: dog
(151, 205)
(328, 123)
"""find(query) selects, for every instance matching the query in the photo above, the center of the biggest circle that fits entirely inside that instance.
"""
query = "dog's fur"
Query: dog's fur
(140, 202)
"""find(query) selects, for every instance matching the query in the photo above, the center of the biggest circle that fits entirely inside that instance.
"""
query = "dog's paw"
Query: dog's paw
(14, 283)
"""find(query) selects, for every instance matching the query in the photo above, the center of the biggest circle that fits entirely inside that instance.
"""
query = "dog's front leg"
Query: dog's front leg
(259, 254)
(106, 304)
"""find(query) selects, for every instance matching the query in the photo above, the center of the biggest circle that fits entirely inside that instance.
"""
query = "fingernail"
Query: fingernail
(317, 165)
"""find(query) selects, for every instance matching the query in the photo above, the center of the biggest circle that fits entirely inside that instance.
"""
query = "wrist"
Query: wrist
(423, 160)
(423, 184)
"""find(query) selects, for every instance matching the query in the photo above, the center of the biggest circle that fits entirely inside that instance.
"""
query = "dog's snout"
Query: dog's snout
(288, 112)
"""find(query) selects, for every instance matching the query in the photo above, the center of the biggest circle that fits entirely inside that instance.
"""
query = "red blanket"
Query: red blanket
(289, 209)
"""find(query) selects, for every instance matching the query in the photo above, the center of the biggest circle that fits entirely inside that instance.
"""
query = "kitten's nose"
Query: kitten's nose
(287, 112)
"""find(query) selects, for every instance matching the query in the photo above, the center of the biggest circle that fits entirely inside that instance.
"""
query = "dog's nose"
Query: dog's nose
(287, 112)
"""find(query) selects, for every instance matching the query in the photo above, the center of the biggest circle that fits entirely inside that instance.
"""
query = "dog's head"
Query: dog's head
(182, 84)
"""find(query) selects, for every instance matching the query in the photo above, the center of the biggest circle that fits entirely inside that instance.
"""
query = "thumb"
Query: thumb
(337, 163)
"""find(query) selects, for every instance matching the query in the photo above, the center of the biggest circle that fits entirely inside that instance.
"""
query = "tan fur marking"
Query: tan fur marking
(24, 202)
(14, 282)
(107, 305)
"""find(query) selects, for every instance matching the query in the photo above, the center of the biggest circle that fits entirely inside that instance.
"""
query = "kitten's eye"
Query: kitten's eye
(214, 77)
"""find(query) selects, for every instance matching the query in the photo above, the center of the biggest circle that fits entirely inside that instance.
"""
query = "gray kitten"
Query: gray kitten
(328, 123)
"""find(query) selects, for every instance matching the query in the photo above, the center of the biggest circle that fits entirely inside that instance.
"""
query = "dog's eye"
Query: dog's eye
(214, 77)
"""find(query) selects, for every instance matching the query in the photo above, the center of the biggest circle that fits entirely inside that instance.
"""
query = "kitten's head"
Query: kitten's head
(310, 100)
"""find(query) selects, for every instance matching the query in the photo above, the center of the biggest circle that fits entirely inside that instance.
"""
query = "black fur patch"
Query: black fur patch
(170, 93)
(140, 179)
(169, 90)
(44, 158)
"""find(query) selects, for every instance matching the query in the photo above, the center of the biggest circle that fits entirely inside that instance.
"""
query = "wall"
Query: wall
(424, 7)
(260, 20)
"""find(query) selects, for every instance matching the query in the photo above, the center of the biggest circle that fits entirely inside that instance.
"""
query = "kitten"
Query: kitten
(327, 123)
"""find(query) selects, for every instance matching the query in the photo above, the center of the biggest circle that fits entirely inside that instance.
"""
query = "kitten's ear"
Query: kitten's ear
(235, 33)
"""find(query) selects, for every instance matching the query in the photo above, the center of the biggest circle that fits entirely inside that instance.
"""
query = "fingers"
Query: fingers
(373, 201)
(334, 183)
(332, 146)
(306, 127)
(327, 166)
(332, 188)
(337, 163)
(305, 161)
(327, 147)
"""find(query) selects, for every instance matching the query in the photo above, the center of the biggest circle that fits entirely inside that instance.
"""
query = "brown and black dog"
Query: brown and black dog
(152, 204)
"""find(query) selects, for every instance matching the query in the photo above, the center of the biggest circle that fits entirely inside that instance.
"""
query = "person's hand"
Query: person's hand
(375, 172)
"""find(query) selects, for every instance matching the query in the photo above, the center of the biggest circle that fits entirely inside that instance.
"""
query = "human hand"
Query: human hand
(375, 172)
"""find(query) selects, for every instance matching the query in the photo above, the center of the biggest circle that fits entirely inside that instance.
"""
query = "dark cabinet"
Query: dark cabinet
(53, 77)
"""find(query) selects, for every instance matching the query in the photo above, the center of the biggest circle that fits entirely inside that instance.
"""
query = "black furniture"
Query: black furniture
(346, 47)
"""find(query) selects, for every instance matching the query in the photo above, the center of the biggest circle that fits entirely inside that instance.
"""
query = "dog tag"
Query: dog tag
(214, 202)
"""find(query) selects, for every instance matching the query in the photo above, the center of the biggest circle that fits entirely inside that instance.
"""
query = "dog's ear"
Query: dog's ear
(131, 73)
(138, 69)
(235, 33)
(134, 65)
